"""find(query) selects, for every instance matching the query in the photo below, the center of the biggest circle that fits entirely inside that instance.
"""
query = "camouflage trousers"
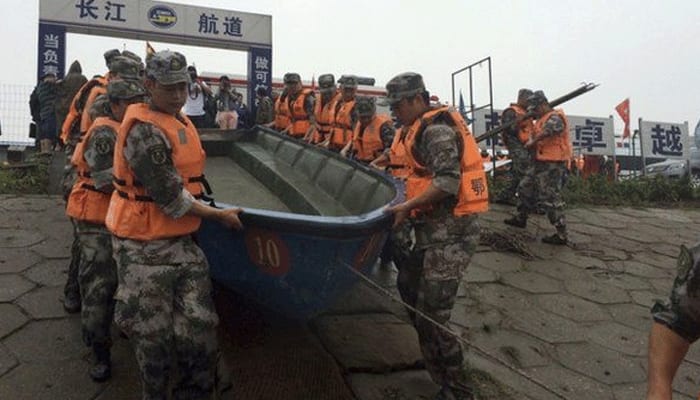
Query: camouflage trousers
(542, 187)
(97, 278)
(428, 280)
(681, 312)
(72, 285)
(520, 162)
(164, 305)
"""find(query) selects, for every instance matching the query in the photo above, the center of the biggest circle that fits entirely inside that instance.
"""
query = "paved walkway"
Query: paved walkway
(571, 323)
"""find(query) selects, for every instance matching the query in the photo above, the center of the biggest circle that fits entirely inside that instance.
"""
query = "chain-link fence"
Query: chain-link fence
(14, 114)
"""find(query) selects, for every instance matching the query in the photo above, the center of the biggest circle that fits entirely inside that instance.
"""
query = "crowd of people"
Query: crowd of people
(136, 172)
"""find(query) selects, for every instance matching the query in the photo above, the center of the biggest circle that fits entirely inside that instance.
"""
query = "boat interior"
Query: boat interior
(261, 169)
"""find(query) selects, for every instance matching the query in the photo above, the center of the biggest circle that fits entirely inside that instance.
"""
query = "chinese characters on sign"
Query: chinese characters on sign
(592, 135)
(52, 50)
(484, 120)
(208, 23)
(664, 139)
(113, 11)
(259, 72)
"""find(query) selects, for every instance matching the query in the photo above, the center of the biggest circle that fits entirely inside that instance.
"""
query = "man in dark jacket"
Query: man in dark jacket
(41, 104)
(66, 90)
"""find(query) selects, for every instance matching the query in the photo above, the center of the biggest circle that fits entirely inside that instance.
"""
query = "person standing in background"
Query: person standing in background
(197, 90)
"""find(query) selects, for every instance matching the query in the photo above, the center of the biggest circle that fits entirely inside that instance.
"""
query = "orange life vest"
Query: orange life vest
(342, 125)
(282, 120)
(398, 165)
(368, 144)
(525, 127)
(132, 213)
(297, 116)
(85, 119)
(325, 115)
(86, 202)
(553, 148)
(78, 107)
(473, 196)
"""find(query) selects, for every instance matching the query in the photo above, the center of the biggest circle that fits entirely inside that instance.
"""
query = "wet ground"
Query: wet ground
(571, 323)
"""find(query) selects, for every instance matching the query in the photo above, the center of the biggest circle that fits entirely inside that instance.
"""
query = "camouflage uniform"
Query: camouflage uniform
(542, 185)
(431, 269)
(681, 312)
(128, 70)
(164, 299)
(97, 271)
(521, 158)
(265, 112)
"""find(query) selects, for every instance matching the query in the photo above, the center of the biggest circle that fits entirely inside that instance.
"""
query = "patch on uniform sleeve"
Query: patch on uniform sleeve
(158, 154)
(684, 263)
(182, 136)
(103, 146)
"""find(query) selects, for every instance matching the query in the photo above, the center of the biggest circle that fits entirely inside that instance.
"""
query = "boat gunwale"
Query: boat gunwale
(314, 225)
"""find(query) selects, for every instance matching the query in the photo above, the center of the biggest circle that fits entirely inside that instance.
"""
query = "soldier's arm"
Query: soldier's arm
(99, 155)
(149, 154)
(508, 117)
(554, 126)
(666, 352)
(309, 105)
(441, 148)
(387, 132)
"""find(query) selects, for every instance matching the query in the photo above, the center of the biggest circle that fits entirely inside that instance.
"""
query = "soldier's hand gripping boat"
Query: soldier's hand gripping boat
(309, 215)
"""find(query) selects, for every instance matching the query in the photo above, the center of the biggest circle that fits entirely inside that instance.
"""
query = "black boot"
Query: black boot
(71, 302)
(102, 369)
(555, 239)
(516, 221)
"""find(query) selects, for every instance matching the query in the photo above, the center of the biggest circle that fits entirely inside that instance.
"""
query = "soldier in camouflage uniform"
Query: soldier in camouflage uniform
(431, 269)
(676, 326)
(515, 139)
(543, 183)
(87, 205)
(163, 302)
(119, 67)
(266, 109)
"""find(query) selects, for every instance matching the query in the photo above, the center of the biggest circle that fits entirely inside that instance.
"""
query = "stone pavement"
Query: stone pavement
(572, 323)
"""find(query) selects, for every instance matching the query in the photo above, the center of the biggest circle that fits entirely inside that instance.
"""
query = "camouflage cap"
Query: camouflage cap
(326, 81)
(131, 55)
(536, 99)
(524, 93)
(99, 107)
(167, 67)
(365, 106)
(348, 81)
(124, 68)
(109, 56)
(122, 89)
(404, 85)
(292, 77)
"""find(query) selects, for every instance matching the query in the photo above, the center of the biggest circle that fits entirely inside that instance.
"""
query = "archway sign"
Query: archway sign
(157, 21)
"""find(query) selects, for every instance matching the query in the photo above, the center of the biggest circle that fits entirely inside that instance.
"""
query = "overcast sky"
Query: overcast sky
(648, 51)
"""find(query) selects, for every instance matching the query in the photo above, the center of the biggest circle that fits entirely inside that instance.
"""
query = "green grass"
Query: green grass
(32, 178)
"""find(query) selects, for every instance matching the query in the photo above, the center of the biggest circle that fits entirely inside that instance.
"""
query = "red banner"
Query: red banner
(623, 109)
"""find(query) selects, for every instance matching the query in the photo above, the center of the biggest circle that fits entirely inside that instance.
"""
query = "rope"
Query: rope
(447, 330)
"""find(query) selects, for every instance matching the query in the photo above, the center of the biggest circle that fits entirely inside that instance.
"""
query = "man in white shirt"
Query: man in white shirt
(197, 89)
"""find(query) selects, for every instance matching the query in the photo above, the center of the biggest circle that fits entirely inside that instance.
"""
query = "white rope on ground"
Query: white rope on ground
(449, 331)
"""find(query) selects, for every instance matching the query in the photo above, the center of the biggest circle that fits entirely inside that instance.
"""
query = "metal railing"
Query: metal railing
(14, 114)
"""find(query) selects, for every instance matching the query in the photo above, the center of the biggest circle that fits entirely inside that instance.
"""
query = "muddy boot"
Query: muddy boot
(555, 239)
(102, 369)
(71, 302)
(517, 221)
(447, 393)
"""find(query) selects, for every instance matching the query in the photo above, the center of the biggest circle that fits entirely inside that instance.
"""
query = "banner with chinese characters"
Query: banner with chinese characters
(259, 73)
(664, 139)
(483, 121)
(592, 135)
(168, 22)
(52, 51)
(589, 135)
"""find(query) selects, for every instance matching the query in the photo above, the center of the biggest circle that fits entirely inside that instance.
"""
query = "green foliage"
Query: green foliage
(634, 191)
(28, 179)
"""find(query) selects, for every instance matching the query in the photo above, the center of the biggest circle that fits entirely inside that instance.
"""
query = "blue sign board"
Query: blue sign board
(51, 53)
(259, 73)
